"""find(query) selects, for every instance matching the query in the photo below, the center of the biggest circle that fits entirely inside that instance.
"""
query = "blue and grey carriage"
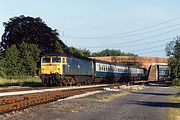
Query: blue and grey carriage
(111, 72)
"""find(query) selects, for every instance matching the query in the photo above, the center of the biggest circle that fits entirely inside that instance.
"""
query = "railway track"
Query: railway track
(24, 99)
(18, 102)
(19, 88)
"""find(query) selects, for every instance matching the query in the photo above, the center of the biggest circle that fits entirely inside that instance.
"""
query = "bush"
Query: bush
(176, 82)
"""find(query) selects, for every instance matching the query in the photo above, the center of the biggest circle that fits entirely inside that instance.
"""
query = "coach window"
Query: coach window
(100, 68)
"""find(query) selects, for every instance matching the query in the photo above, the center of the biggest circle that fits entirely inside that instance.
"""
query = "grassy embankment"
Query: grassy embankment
(114, 95)
(176, 82)
(20, 81)
(174, 112)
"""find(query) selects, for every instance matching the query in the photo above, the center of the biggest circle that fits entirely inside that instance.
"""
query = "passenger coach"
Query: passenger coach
(111, 72)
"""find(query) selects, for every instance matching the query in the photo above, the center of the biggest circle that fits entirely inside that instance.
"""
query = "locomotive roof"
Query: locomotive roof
(65, 54)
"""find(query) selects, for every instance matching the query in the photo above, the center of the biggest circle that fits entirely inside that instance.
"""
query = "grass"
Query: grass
(176, 82)
(110, 97)
(174, 113)
(71, 109)
(20, 81)
(114, 95)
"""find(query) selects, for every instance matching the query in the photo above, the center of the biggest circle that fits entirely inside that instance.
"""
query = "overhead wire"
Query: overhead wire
(136, 40)
(124, 33)
(147, 43)
(148, 48)
(136, 33)
(153, 51)
(142, 44)
(142, 33)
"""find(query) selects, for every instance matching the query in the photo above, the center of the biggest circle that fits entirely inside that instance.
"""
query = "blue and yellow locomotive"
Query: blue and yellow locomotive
(66, 69)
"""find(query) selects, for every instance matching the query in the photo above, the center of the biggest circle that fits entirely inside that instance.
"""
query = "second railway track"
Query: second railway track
(18, 102)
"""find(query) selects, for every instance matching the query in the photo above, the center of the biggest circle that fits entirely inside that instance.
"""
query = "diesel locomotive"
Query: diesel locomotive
(65, 69)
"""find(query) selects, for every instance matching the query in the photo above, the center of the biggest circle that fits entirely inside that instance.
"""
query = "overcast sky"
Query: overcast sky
(142, 27)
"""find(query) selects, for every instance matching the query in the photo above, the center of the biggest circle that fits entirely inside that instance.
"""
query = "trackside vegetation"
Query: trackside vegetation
(174, 112)
(20, 81)
(19, 66)
(173, 52)
(106, 52)
(20, 62)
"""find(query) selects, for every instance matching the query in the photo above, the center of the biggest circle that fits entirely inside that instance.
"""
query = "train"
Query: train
(66, 69)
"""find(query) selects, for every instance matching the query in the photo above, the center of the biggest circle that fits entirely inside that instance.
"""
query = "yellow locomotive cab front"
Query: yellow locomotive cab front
(52, 65)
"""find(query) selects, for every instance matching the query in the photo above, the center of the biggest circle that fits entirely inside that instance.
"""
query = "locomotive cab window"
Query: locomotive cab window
(56, 60)
(63, 60)
(46, 60)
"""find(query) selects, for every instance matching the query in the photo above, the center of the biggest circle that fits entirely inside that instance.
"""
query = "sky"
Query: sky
(142, 27)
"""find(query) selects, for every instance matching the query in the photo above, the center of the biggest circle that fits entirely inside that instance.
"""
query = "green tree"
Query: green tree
(112, 52)
(11, 61)
(173, 51)
(29, 55)
(86, 53)
(79, 52)
(33, 31)
(2, 64)
(58, 47)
